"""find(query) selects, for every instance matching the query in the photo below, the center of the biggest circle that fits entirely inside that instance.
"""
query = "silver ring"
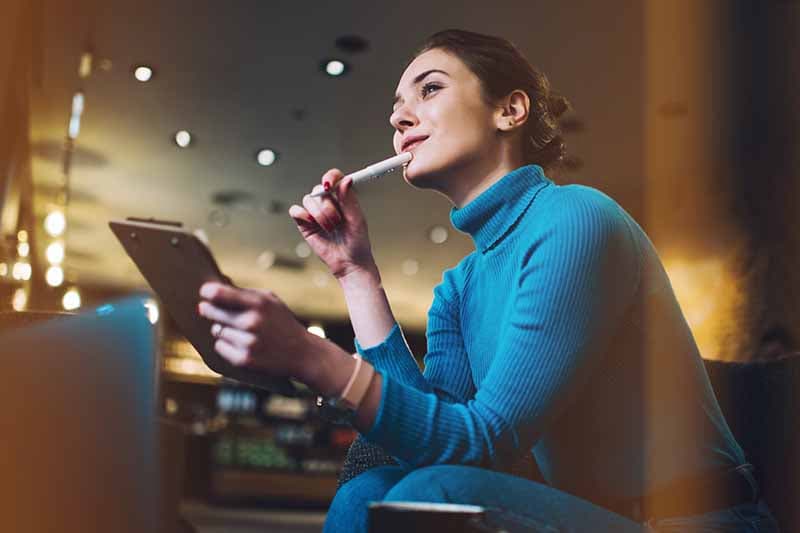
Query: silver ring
(216, 330)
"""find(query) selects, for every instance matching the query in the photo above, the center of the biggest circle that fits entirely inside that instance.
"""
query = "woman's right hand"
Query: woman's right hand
(334, 226)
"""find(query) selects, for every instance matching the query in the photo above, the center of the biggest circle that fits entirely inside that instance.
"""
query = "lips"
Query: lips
(411, 142)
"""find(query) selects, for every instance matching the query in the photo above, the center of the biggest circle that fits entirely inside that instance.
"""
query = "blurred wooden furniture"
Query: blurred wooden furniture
(761, 402)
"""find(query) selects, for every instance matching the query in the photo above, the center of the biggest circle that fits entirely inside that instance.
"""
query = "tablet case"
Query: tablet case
(176, 264)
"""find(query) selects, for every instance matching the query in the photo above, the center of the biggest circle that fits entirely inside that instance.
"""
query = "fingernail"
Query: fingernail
(206, 290)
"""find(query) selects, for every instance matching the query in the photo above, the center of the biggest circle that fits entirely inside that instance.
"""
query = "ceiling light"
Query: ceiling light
(438, 234)
(266, 157)
(334, 67)
(55, 253)
(54, 276)
(317, 330)
(71, 299)
(183, 138)
(77, 104)
(3, 270)
(410, 267)
(20, 299)
(85, 65)
(143, 73)
(23, 249)
(302, 249)
(22, 235)
(74, 127)
(55, 223)
(75, 120)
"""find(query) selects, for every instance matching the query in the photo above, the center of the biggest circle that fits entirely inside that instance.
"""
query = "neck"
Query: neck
(479, 176)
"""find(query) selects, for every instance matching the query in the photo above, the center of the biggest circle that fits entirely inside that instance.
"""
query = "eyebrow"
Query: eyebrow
(418, 79)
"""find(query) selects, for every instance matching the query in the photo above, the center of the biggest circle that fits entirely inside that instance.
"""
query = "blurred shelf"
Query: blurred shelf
(297, 488)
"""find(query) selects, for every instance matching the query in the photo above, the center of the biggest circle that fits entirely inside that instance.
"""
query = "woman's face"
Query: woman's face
(440, 116)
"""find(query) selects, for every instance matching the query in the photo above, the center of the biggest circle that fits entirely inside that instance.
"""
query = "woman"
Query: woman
(535, 341)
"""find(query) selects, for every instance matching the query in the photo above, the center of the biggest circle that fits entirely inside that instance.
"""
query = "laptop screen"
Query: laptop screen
(78, 423)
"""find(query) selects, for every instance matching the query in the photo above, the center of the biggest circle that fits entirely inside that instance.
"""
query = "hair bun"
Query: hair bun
(557, 105)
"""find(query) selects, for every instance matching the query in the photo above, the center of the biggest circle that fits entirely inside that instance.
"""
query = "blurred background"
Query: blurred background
(221, 115)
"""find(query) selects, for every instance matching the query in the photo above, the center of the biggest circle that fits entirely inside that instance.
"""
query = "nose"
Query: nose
(402, 118)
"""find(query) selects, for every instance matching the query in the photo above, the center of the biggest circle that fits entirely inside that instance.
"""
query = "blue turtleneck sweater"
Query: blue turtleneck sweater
(536, 343)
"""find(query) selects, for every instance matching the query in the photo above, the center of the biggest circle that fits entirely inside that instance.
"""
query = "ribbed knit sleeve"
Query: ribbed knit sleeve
(393, 357)
(575, 275)
(447, 370)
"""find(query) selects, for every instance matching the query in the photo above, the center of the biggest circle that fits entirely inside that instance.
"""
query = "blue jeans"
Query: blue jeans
(517, 504)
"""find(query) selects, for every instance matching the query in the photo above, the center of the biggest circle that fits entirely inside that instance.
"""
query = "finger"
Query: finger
(243, 340)
(306, 224)
(325, 215)
(245, 321)
(348, 200)
(331, 177)
(235, 355)
(215, 314)
(329, 205)
(227, 296)
(301, 216)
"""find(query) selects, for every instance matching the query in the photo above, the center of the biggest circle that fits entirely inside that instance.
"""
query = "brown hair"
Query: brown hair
(502, 68)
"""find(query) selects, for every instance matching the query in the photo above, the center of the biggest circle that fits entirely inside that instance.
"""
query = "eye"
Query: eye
(429, 88)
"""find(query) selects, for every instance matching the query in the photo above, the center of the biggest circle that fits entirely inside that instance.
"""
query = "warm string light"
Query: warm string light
(55, 223)
(54, 276)
(20, 270)
(71, 299)
(20, 299)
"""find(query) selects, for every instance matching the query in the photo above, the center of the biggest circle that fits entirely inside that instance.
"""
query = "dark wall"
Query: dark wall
(764, 146)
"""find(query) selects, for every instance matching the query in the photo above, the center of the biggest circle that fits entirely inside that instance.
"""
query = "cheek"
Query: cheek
(461, 124)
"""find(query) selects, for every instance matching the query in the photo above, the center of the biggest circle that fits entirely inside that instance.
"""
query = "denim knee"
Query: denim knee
(348, 510)
(427, 484)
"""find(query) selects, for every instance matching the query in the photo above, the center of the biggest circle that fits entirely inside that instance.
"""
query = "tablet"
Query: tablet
(176, 264)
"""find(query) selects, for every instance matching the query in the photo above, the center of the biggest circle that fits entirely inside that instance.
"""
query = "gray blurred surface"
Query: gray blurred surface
(210, 519)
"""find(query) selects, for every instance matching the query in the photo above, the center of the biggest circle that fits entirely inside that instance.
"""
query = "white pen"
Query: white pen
(373, 171)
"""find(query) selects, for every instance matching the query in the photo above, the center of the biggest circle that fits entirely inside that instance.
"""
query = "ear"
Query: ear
(513, 111)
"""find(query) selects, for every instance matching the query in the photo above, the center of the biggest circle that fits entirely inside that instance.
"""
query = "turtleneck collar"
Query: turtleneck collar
(489, 217)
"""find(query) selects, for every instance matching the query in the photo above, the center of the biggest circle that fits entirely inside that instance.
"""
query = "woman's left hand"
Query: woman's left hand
(255, 329)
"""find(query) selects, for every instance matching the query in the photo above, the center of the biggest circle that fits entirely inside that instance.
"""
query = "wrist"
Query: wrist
(326, 368)
(361, 277)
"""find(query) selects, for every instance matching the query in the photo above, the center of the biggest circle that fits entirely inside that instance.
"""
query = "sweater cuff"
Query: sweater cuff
(393, 430)
(393, 358)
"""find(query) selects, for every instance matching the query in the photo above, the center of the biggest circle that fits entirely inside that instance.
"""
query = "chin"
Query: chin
(421, 178)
